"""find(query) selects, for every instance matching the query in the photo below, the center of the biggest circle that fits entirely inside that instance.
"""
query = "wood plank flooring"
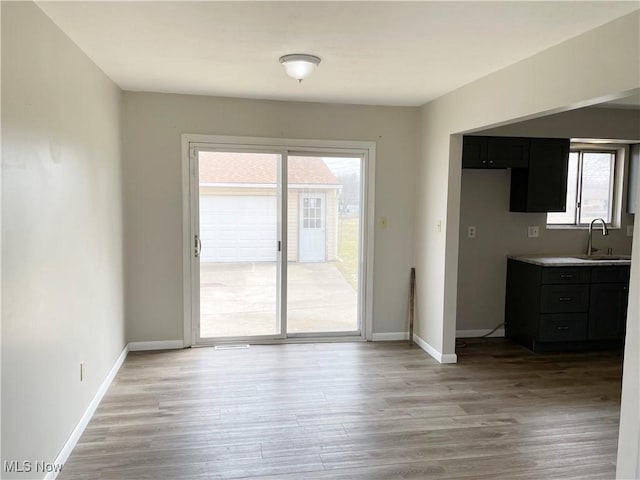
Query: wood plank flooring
(355, 411)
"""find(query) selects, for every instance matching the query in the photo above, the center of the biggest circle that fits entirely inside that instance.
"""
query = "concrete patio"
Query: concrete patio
(239, 299)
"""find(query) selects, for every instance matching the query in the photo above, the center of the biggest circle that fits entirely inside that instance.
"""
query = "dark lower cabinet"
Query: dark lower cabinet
(608, 310)
(565, 308)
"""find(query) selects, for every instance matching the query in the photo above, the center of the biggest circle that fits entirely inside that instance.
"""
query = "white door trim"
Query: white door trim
(368, 151)
(187, 172)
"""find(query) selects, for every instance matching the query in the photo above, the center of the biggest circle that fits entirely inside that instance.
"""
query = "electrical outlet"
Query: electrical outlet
(629, 230)
(471, 232)
(533, 231)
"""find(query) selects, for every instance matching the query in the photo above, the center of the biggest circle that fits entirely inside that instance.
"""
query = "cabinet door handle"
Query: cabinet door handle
(565, 299)
(566, 275)
(562, 327)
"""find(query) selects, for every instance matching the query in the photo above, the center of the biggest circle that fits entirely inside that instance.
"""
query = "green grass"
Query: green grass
(348, 251)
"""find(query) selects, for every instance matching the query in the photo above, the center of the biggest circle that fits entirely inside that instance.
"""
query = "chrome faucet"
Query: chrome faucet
(605, 231)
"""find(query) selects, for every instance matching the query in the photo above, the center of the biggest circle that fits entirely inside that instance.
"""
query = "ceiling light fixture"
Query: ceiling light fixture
(299, 65)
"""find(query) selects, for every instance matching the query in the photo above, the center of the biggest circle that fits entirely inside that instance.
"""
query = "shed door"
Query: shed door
(238, 228)
(312, 227)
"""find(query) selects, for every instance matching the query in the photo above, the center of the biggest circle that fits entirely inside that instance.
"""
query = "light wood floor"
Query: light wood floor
(355, 411)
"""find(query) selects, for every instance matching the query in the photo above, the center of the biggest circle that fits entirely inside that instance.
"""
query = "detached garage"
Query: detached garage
(238, 228)
(238, 208)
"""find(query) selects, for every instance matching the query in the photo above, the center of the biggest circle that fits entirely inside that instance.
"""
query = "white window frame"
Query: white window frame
(191, 142)
(617, 183)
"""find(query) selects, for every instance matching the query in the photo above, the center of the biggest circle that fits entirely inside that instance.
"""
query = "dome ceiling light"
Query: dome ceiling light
(299, 65)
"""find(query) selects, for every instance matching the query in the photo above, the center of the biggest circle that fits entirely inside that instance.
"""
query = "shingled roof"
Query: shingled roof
(257, 168)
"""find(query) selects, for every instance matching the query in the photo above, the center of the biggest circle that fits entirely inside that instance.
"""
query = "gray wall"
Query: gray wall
(532, 88)
(485, 205)
(62, 272)
(153, 224)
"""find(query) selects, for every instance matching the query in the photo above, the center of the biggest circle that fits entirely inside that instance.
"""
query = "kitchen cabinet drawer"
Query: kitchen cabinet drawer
(610, 274)
(564, 298)
(565, 275)
(565, 327)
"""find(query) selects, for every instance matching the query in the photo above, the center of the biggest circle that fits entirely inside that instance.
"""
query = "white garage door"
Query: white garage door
(238, 228)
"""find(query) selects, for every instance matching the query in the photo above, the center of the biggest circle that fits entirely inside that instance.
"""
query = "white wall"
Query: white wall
(628, 464)
(153, 221)
(62, 272)
(539, 85)
(484, 203)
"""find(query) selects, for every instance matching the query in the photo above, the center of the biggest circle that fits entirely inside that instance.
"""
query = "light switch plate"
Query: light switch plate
(533, 231)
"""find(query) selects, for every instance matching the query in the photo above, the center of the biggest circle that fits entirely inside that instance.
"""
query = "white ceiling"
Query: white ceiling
(383, 53)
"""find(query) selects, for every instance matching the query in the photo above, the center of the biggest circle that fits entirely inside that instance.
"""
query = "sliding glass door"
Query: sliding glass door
(324, 199)
(277, 244)
(238, 220)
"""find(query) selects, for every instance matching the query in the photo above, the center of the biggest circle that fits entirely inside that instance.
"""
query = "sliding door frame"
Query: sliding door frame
(281, 225)
(191, 143)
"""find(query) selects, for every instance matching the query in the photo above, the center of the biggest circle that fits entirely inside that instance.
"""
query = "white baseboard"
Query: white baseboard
(63, 456)
(440, 357)
(71, 442)
(386, 337)
(479, 333)
(159, 345)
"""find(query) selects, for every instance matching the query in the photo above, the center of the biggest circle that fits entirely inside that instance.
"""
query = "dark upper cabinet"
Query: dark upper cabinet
(474, 152)
(634, 177)
(495, 152)
(538, 168)
(543, 186)
(508, 152)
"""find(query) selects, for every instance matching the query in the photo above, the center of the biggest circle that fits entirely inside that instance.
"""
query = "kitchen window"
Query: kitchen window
(593, 187)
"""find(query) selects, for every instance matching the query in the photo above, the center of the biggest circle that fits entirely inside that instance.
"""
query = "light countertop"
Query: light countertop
(573, 261)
